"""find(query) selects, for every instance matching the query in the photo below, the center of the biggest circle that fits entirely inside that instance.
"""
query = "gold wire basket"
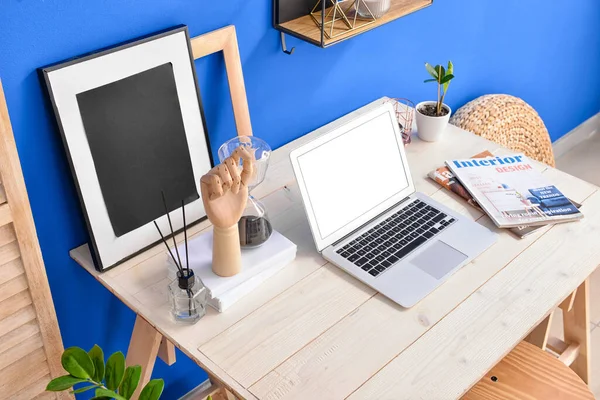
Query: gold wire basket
(336, 12)
(405, 112)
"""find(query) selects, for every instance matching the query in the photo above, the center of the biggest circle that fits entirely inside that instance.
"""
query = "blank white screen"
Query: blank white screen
(353, 173)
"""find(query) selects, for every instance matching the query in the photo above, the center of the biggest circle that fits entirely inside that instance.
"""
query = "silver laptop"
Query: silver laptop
(366, 217)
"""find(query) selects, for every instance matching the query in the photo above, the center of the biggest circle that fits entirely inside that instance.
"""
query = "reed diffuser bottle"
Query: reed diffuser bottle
(188, 297)
(187, 293)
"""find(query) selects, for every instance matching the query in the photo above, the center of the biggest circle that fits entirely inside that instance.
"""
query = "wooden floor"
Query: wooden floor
(583, 161)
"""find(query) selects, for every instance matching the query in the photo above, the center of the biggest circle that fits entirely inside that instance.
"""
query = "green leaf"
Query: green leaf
(63, 383)
(130, 381)
(108, 393)
(447, 78)
(97, 356)
(450, 72)
(440, 72)
(115, 369)
(429, 80)
(77, 362)
(431, 71)
(85, 389)
(153, 390)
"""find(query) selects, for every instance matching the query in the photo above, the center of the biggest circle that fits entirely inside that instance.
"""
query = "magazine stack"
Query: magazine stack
(509, 190)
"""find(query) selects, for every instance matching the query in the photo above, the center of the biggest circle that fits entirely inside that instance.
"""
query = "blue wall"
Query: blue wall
(544, 53)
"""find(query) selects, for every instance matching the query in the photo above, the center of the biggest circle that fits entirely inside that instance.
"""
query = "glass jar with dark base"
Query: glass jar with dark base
(254, 226)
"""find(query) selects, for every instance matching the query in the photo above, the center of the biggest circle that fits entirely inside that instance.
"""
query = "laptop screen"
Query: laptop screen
(354, 173)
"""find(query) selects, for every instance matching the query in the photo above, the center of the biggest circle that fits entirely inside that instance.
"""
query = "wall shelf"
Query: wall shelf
(293, 17)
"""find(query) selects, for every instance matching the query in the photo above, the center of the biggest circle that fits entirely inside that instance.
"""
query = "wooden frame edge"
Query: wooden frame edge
(225, 40)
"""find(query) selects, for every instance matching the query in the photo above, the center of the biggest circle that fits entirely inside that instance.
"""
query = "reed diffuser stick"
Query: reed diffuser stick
(167, 246)
(187, 260)
(171, 227)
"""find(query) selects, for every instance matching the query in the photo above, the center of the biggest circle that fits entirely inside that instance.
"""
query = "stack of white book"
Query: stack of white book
(258, 265)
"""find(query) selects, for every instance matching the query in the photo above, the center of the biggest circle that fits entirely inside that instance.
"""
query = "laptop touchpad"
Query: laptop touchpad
(439, 259)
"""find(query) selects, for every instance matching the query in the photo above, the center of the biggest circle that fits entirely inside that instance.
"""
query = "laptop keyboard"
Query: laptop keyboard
(393, 239)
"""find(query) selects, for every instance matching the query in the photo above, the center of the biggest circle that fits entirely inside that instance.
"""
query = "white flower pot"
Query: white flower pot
(430, 129)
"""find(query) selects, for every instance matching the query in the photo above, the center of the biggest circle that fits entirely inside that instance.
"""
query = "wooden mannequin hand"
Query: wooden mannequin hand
(225, 189)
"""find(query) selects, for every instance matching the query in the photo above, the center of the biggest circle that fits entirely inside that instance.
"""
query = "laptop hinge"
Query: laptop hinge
(354, 232)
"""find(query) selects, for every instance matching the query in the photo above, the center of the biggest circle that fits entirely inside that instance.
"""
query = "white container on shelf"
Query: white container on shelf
(377, 7)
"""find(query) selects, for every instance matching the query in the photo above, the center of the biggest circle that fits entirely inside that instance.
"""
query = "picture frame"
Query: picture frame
(79, 87)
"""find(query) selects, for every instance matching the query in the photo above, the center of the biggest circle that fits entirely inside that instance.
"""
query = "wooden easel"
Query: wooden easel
(146, 342)
(225, 40)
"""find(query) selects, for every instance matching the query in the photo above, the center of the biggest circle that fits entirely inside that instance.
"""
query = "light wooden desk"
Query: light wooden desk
(314, 332)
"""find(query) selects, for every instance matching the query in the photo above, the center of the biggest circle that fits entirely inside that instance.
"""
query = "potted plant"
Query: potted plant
(433, 116)
(109, 381)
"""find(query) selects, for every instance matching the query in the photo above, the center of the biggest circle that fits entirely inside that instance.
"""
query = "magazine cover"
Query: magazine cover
(512, 192)
(448, 181)
(446, 178)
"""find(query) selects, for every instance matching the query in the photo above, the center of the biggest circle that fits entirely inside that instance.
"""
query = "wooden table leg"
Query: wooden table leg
(146, 345)
(220, 394)
(212, 388)
(166, 351)
(539, 335)
(143, 349)
(577, 330)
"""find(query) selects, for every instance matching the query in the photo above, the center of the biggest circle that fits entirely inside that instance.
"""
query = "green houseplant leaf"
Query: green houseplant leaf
(450, 69)
(130, 381)
(450, 72)
(108, 393)
(431, 71)
(85, 389)
(63, 383)
(446, 80)
(97, 356)
(153, 390)
(429, 80)
(441, 72)
(78, 363)
(115, 369)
